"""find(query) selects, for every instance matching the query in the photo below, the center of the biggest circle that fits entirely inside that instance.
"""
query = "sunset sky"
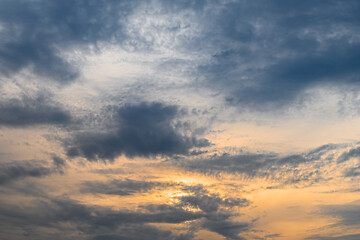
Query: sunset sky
(179, 120)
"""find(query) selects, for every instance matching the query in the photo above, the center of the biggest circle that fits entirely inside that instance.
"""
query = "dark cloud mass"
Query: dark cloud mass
(30, 111)
(145, 129)
(35, 32)
(276, 50)
(16, 170)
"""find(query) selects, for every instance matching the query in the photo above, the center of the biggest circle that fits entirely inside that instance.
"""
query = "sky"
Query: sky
(179, 120)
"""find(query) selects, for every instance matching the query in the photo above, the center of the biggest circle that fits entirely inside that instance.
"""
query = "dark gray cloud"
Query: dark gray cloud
(58, 161)
(46, 217)
(200, 198)
(91, 222)
(289, 169)
(32, 110)
(273, 235)
(286, 80)
(122, 187)
(341, 237)
(143, 232)
(217, 211)
(35, 32)
(16, 170)
(261, 53)
(348, 214)
(213, 212)
(352, 153)
(59, 164)
(145, 129)
(269, 53)
(245, 163)
(115, 171)
(322, 150)
(352, 172)
(346, 156)
(226, 228)
(162, 213)
(250, 164)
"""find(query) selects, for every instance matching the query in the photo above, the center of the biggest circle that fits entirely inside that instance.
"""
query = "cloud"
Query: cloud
(228, 229)
(143, 232)
(58, 161)
(201, 199)
(30, 111)
(198, 196)
(257, 54)
(352, 153)
(262, 55)
(122, 187)
(217, 210)
(91, 221)
(273, 235)
(302, 168)
(16, 170)
(46, 216)
(211, 211)
(250, 164)
(348, 214)
(341, 237)
(284, 81)
(265, 55)
(36, 32)
(144, 129)
(352, 172)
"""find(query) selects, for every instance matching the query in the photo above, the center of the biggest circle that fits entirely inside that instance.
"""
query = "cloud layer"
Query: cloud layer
(159, 119)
